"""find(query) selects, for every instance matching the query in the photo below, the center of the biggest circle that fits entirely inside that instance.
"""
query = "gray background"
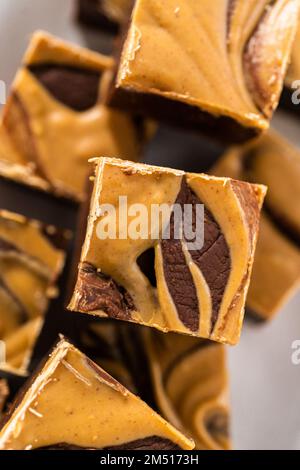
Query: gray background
(265, 385)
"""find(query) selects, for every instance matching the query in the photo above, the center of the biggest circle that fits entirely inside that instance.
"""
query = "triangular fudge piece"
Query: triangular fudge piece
(71, 403)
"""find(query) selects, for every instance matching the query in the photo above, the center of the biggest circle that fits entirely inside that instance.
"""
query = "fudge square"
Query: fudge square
(55, 121)
(73, 404)
(194, 288)
(217, 66)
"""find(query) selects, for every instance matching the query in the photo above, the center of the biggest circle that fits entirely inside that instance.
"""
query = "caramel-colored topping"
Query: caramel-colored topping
(73, 401)
(190, 383)
(211, 282)
(56, 120)
(226, 58)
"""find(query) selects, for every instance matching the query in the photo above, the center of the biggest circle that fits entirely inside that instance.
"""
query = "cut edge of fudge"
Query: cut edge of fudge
(100, 293)
(78, 371)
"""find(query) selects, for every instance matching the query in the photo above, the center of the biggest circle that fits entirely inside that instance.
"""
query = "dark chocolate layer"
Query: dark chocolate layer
(213, 261)
(180, 114)
(74, 87)
(99, 292)
(177, 274)
(91, 14)
(148, 443)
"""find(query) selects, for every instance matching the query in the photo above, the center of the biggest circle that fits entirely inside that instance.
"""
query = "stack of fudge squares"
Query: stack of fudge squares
(76, 126)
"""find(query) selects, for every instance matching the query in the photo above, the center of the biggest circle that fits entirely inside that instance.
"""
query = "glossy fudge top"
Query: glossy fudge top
(197, 290)
(72, 403)
(226, 57)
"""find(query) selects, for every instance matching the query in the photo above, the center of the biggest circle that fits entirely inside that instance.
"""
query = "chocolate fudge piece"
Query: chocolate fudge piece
(104, 14)
(276, 270)
(141, 263)
(191, 388)
(55, 120)
(71, 403)
(217, 67)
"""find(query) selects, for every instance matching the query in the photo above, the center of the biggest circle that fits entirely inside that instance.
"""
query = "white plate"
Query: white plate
(265, 385)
